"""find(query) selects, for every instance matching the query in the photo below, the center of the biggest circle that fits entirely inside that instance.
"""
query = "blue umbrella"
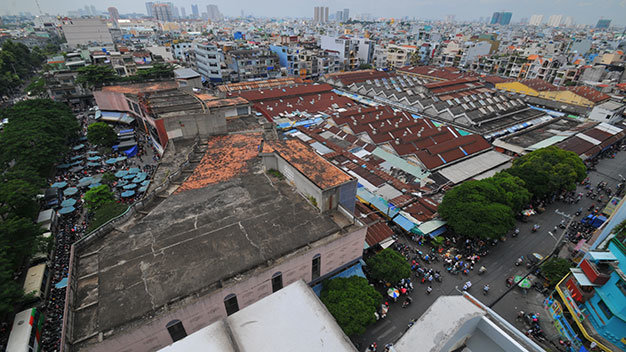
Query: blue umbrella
(94, 185)
(63, 166)
(138, 179)
(111, 161)
(129, 176)
(85, 179)
(92, 152)
(66, 210)
(76, 163)
(61, 284)
(68, 202)
(121, 158)
(121, 173)
(128, 193)
(122, 183)
(79, 147)
(94, 158)
(130, 186)
(70, 191)
(76, 157)
(61, 184)
(145, 183)
(93, 164)
(76, 168)
(142, 189)
(134, 170)
(83, 138)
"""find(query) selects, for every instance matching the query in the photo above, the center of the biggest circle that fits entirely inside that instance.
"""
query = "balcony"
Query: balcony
(598, 273)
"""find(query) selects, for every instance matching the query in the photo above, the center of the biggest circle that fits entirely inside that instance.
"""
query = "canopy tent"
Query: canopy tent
(130, 186)
(145, 183)
(92, 152)
(524, 283)
(70, 191)
(68, 202)
(127, 144)
(77, 157)
(122, 183)
(121, 173)
(94, 158)
(128, 194)
(76, 168)
(93, 164)
(66, 210)
(61, 284)
(132, 151)
(121, 158)
(61, 184)
(116, 117)
(142, 189)
(139, 178)
(134, 170)
(129, 176)
(111, 161)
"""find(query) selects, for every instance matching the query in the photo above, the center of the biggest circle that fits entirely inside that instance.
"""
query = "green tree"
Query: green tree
(516, 196)
(98, 196)
(478, 208)
(352, 302)
(36, 135)
(105, 213)
(388, 266)
(108, 178)
(36, 87)
(554, 269)
(549, 170)
(17, 63)
(17, 237)
(11, 293)
(100, 133)
(96, 75)
(18, 197)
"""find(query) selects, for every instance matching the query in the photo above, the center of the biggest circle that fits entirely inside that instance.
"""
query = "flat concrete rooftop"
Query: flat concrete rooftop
(206, 232)
(562, 127)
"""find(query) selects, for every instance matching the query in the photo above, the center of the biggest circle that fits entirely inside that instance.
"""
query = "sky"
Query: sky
(582, 11)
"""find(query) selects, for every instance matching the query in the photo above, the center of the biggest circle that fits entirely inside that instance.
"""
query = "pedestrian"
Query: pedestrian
(520, 315)
(429, 290)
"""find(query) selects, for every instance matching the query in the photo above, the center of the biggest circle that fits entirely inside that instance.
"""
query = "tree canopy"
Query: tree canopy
(484, 208)
(17, 63)
(36, 135)
(549, 170)
(388, 266)
(554, 269)
(96, 75)
(101, 134)
(98, 196)
(352, 302)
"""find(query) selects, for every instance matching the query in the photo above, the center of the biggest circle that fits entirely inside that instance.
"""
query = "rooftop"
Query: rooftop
(270, 83)
(226, 220)
(137, 88)
(293, 319)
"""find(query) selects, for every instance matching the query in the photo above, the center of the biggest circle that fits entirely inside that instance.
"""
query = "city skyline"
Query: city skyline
(582, 12)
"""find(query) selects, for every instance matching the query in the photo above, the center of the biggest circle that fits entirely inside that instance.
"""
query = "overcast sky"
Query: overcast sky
(582, 11)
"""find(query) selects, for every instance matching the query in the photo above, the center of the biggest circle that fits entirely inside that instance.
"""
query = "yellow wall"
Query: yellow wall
(517, 87)
(565, 96)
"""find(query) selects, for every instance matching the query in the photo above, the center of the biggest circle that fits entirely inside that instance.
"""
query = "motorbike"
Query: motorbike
(486, 290)
(407, 302)
(535, 228)
(509, 281)
(482, 270)
(579, 211)
(562, 224)
(516, 232)
(519, 261)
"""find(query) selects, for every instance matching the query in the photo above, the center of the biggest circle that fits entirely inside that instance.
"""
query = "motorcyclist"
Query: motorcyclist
(486, 289)
(516, 232)
(482, 270)
(519, 261)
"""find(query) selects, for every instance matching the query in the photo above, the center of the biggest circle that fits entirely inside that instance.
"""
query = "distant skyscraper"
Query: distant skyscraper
(325, 14)
(175, 12)
(503, 18)
(316, 14)
(555, 20)
(93, 10)
(194, 11)
(183, 13)
(346, 15)
(567, 21)
(113, 13)
(149, 9)
(163, 12)
(535, 20)
(339, 16)
(320, 14)
(213, 12)
(603, 24)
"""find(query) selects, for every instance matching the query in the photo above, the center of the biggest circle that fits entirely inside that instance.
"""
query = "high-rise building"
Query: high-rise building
(555, 20)
(320, 14)
(567, 21)
(183, 13)
(339, 16)
(325, 14)
(113, 13)
(603, 24)
(535, 20)
(93, 10)
(213, 12)
(149, 8)
(346, 14)
(162, 12)
(175, 12)
(316, 14)
(503, 18)
(194, 11)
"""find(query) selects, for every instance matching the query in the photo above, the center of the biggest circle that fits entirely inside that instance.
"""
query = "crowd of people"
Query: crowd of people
(72, 226)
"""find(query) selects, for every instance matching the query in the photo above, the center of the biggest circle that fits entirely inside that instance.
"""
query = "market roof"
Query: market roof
(292, 319)
(137, 88)
(476, 165)
(227, 220)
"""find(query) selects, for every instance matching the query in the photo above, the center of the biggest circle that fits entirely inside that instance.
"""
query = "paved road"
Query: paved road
(500, 265)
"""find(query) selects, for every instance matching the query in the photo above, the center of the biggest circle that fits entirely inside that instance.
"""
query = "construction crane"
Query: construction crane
(38, 7)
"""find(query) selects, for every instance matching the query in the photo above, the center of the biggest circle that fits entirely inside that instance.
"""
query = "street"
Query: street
(500, 264)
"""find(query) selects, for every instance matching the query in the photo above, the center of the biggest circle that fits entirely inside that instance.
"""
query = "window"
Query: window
(622, 286)
(230, 302)
(176, 330)
(315, 268)
(277, 281)
(605, 309)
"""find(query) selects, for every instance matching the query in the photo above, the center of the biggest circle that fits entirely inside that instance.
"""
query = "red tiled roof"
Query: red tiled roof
(285, 92)
(443, 73)
(539, 85)
(347, 78)
(589, 93)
